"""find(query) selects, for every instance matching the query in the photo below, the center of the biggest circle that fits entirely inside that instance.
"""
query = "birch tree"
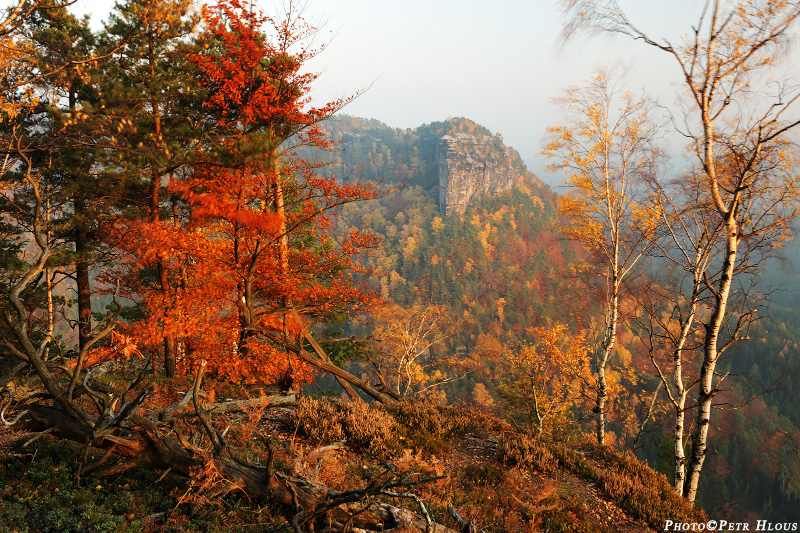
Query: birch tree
(605, 148)
(738, 121)
(403, 341)
(670, 306)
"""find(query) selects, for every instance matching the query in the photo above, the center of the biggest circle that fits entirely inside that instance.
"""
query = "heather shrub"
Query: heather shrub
(424, 416)
(320, 421)
(361, 426)
(635, 487)
(574, 461)
(526, 452)
(431, 427)
(369, 427)
(502, 499)
(387, 429)
(645, 493)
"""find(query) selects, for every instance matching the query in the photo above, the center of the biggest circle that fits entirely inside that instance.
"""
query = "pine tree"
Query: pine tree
(149, 88)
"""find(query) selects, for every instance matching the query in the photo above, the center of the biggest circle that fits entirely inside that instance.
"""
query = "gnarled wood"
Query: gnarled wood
(140, 442)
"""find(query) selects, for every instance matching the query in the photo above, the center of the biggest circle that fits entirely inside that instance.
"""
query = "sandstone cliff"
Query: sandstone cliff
(471, 167)
(460, 160)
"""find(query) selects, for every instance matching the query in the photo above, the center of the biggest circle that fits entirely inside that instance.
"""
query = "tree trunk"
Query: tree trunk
(280, 210)
(170, 360)
(679, 403)
(600, 405)
(81, 248)
(48, 273)
(707, 389)
(82, 275)
(706, 385)
(680, 456)
(170, 355)
(604, 356)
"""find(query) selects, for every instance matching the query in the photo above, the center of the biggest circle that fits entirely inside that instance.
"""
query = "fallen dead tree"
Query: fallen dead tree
(69, 403)
(157, 440)
(72, 405)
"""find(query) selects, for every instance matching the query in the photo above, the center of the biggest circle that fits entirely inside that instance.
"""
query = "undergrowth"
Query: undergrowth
(512, 486)
(39, 493)
(386, 430)
(361, 427)
(636, 488)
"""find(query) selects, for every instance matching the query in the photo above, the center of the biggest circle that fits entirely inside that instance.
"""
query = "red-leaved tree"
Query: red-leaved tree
(252, 257)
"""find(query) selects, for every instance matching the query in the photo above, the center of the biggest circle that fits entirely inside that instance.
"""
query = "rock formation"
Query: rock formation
(471, 167)
(463, 160)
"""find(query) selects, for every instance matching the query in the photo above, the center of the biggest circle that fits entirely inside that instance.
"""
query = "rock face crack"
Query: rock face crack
(471, 167)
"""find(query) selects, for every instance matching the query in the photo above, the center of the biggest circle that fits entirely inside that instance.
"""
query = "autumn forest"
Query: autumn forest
(226, 306)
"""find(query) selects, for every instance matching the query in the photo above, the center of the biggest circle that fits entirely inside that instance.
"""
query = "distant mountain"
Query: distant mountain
(461, 160)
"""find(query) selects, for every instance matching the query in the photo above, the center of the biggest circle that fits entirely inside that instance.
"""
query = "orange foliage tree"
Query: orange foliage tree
(541, 382)
(250, 249)
(605, 149)
(144, 85)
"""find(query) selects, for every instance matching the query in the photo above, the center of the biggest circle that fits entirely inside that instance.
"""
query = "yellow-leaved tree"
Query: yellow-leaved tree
(404, 342)
(605, 148)
(738, 116)
(542, 381)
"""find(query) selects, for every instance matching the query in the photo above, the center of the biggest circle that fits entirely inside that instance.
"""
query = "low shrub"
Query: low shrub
(39, 493)
(381, 429)
(363, 427)
(320, 421)
(431, 427)
(527, 452)
(642, 491)
(503, 499)
(635, 487)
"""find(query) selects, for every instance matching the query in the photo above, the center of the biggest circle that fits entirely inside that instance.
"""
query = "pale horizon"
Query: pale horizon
(497, 64)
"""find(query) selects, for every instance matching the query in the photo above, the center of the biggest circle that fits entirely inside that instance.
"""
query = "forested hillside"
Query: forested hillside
(225, 306)
(504, 247)
(502, 270)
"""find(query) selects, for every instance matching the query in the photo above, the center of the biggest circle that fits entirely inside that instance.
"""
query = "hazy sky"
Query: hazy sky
(497, 63)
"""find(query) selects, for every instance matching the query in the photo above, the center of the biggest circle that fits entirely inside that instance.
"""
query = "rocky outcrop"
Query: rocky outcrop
(471, 167)
(461, 160)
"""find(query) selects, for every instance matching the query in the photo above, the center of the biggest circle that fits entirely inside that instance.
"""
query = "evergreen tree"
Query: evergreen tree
(149, 87)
